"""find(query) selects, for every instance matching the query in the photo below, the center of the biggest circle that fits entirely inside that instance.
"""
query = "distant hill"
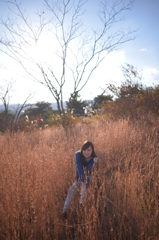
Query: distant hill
(13, 107)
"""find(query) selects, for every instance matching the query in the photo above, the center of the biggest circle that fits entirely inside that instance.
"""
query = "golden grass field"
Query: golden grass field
(37, 168)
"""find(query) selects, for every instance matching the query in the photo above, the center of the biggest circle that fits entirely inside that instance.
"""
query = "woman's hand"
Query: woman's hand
(95, 159)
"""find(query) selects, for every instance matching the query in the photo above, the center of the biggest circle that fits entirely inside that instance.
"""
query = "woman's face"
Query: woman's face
(87, 153)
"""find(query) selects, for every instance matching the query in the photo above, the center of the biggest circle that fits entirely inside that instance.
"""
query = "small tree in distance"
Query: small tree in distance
(75, 106)
(40, 108)
(101, 99)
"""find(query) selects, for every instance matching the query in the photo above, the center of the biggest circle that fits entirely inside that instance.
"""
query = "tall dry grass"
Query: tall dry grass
(37, 169)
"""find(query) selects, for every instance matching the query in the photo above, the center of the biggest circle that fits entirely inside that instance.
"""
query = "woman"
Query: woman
(85, 160)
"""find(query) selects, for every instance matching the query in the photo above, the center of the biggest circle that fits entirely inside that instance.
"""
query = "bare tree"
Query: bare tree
(5, 98)
(76, 49)
(18, 111)
(11, 119)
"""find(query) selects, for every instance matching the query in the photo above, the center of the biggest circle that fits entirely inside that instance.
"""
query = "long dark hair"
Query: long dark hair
(86, 145)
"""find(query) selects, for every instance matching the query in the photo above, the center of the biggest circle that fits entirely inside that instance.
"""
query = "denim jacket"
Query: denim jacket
(80, 173)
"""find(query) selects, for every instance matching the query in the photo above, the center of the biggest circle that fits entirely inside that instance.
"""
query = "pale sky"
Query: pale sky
(142, 53)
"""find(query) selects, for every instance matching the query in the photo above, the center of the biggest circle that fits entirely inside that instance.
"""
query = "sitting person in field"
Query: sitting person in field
(85, 160)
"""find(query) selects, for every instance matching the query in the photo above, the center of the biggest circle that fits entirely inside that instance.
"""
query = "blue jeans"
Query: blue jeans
(72, 192)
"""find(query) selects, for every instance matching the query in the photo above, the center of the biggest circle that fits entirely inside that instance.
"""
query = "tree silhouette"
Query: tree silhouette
(75, 105)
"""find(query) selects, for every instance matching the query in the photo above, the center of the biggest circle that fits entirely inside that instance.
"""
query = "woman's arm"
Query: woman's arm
(79, 167)
(95, 160)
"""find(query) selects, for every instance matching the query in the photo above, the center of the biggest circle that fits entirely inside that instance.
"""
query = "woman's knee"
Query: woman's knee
(76, 184)
(74, 188)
